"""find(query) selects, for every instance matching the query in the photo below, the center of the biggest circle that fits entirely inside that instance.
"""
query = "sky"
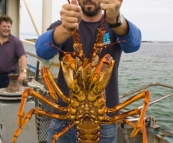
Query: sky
(153, 17)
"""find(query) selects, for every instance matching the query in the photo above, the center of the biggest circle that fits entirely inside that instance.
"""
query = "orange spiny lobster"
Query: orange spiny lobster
(86, 79)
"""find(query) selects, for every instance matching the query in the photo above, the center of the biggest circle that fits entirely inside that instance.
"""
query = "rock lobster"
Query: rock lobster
(86, 79)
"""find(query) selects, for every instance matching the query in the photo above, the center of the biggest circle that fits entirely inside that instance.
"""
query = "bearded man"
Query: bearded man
(86, 16)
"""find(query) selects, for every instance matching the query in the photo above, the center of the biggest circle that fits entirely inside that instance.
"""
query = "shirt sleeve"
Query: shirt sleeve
(133, 39)
(43, 48)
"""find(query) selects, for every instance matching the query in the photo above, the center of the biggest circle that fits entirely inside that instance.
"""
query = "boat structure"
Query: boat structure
(36, 129)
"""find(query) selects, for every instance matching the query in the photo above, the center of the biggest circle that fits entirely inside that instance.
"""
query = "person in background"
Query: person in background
(86, 16)
(11, 51)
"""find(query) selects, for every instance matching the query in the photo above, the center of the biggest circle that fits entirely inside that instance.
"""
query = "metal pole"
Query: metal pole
(46, 14)
(0, 140)
(157, 100)
(37, 71)
(144, 87)
(32, 17)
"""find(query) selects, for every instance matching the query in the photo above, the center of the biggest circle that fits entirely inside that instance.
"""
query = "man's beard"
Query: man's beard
(89, 11)
(4, 35)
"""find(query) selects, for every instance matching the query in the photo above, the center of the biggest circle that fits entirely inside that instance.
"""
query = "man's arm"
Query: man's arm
(61, 33)
(112, 8)
(71, 15)
(44, 50)
(126, 31)
(22, 75)
(133, 38)
(123, 29)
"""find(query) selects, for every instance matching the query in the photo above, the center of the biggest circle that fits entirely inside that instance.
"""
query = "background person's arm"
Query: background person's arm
(23, 63)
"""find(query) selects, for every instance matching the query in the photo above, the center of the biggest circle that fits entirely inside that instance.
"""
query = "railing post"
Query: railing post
(37, 70)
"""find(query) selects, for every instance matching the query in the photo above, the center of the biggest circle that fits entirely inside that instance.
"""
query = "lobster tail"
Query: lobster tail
(87, 132)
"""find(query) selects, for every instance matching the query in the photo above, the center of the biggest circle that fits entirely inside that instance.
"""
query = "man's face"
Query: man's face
(5, 29)
(90, 7)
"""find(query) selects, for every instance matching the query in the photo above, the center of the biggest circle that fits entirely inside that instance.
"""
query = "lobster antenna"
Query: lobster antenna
(103, 21)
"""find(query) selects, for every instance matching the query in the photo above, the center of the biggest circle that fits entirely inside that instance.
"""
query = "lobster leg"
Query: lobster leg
(103, 72)
(120, 117)
(58, 135)
(144, 94)
(129, 123)
(140, 122)
(44, 73)
(28, 117)
(30, 92)
(144, 136)
(145, 140)
(52, 86)
(68, 74)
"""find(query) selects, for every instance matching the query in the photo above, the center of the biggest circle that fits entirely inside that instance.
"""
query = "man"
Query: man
(11, 50)
(86, 16)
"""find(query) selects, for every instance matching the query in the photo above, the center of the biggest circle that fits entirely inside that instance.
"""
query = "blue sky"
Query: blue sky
(153, 17)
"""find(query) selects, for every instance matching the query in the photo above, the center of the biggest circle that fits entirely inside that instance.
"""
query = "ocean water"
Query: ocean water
(153, 62)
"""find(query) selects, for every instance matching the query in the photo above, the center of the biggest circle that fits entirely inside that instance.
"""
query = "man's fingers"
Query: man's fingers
(70, 19)
(70, 7)
(70, 25)
(74, 2)
(71, 15)
(105, 1)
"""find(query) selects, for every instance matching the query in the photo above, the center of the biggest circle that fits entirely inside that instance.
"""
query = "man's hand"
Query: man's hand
(112, 8)
(22, 76)
(71, 15)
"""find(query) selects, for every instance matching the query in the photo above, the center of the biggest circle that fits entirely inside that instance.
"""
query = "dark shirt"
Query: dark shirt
(10, 53)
